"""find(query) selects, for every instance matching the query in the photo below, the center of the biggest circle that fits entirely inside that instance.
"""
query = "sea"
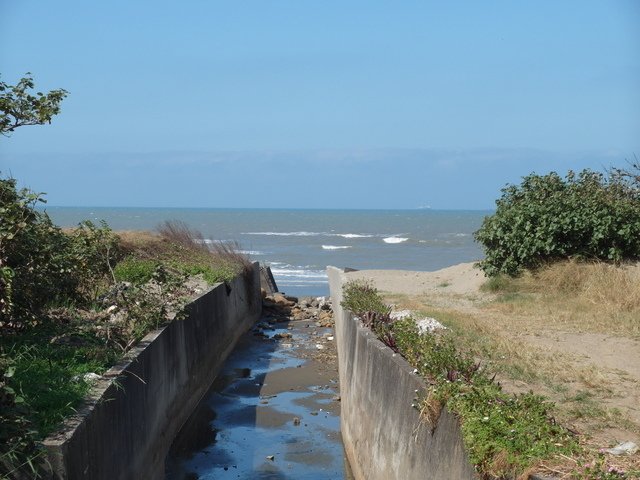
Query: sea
(298, 245)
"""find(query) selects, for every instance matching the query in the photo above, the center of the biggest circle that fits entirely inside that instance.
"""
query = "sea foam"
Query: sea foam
(394, 239)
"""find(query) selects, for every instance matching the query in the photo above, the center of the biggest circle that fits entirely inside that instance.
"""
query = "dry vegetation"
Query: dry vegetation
(571, 331)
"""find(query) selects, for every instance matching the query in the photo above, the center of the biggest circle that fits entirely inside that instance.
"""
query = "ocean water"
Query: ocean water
(299, 244)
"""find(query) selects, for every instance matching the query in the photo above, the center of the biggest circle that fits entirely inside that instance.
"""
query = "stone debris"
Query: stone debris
(625, 448)
(87, 377)
(429, 325)
(425, 325)
(282, 308)
(401, 314)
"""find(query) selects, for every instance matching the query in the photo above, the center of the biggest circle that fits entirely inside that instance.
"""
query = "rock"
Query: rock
(282, 300)
(319, 347)
(625, 448)
(429, 325)
(282, 335)
(88, 377)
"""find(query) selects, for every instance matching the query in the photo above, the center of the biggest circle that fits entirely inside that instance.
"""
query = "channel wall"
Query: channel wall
(382, 432)
(125, 429)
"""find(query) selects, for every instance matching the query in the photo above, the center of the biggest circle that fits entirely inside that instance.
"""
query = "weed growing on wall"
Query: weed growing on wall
(504, 434)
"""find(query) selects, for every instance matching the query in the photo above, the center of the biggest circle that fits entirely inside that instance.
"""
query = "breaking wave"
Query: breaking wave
(394, 239)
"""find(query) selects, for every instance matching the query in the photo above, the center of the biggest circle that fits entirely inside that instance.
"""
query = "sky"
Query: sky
(309, 104)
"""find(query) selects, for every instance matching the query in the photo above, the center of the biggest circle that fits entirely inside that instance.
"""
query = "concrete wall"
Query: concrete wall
(128, 425)
(383, 435)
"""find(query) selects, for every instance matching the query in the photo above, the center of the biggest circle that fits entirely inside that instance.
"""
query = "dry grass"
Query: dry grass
(598, 284)
(592, 297)
(180, 233)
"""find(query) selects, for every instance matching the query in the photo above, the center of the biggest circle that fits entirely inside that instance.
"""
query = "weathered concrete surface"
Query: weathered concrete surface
(127, 427)
(383, 435)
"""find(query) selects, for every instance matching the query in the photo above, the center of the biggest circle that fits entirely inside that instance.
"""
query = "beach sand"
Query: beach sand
(462, 279)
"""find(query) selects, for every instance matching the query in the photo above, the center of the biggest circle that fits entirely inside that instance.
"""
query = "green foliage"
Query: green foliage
(135, 270)
(506, 433)
(93, 250)
(40, 265)
(548, 218)
(19, 454)
(35, 269)
(20, 107)
(360, 297)
(221, 272)
(148, 306)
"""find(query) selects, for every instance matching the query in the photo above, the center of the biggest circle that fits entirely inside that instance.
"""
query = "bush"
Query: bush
(40, 264)
(33, 267)
(549, 218)
(361, 297)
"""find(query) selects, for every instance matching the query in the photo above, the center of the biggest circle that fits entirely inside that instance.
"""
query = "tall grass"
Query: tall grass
(595, 296)
(218, 260)
(602, 284)
(180, 233)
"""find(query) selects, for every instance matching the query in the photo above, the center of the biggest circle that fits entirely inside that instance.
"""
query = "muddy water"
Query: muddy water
(273, 412)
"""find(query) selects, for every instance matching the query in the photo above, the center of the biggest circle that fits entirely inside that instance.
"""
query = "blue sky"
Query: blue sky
(319, 104)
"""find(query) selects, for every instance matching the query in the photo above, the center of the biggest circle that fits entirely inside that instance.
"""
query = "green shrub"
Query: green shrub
(92, 251)
(41, 265)
(549, 218)
(360, 297)
(34, 265)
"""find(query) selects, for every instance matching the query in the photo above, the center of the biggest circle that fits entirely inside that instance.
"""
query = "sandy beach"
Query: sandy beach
(461, 279)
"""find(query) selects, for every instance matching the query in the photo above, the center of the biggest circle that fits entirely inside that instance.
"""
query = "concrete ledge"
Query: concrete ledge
(129, 422)
(383, 435)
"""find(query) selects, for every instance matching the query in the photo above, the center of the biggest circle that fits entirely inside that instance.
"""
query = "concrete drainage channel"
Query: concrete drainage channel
(274, 411)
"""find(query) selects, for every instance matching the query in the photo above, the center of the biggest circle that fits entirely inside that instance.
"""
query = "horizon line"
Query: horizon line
(419, 209)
